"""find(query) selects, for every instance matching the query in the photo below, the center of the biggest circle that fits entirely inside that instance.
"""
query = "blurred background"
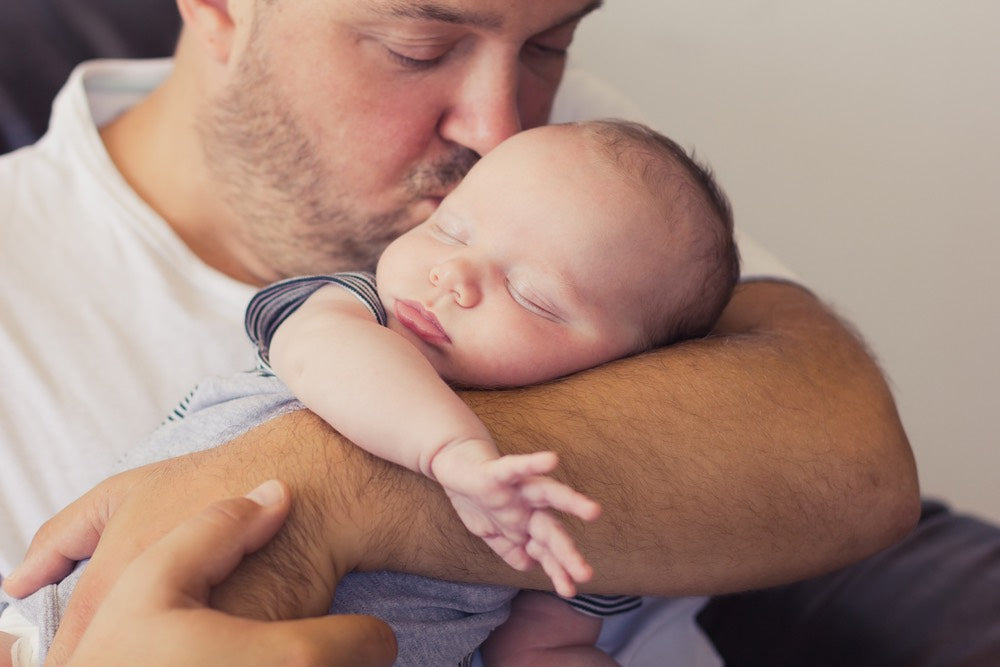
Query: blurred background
(860, 142)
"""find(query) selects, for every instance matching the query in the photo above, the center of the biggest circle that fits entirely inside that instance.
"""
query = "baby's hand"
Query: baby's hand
(504, 500)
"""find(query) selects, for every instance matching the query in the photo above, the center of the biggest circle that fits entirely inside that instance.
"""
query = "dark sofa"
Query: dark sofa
(42, 40)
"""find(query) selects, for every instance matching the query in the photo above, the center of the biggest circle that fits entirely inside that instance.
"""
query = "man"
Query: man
(302, 137)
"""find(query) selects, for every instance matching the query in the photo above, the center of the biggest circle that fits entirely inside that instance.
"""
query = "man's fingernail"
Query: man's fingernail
(268, 493)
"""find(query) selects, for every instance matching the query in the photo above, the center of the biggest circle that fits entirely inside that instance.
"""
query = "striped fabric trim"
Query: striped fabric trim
(180, 412)
(272, 305)
(604, 605)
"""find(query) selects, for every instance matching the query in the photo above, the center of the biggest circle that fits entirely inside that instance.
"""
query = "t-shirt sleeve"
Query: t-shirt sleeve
(272, 305)
(757, 263)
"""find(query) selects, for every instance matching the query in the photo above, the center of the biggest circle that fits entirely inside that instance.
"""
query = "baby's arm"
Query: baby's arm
(380, 392)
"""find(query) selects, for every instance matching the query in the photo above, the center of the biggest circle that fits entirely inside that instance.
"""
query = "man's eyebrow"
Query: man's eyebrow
(576, 16)
(430, 11)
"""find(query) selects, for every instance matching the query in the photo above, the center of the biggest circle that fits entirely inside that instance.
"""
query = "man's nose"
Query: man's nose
(459, 277)
(483, 110)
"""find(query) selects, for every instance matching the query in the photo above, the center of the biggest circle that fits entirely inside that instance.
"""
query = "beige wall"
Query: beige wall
(860, 141)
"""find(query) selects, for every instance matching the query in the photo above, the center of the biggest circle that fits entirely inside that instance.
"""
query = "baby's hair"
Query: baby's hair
(693, 301)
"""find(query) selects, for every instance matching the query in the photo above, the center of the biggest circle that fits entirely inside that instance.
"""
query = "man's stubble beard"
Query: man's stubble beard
(291, 217)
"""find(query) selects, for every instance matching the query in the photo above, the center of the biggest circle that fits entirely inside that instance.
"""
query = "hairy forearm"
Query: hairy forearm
(769, 452)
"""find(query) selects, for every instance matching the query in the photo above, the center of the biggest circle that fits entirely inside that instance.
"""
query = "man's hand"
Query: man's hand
(157, 612)
(294, 576)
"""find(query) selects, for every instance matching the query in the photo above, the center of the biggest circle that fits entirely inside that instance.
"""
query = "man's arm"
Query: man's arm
(767, 453)
(378, 390)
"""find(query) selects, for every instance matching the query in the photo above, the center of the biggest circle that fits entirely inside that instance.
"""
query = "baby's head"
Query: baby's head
(699, 261)
(563, 248)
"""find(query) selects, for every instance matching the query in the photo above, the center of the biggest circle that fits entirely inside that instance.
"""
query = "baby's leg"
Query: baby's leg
(543, 630)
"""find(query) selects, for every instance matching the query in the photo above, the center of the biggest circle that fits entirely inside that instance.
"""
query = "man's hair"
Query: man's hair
(694, 299)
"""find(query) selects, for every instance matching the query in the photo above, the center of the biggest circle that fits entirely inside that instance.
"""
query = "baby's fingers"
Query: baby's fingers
(512, 554)
(553, 547)
(514, 468)
(562, 582)
(545, 492)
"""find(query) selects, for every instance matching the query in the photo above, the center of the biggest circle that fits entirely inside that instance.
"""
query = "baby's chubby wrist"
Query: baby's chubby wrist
(458, 456)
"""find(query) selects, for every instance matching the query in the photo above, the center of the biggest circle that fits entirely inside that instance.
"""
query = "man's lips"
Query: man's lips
(420, 321)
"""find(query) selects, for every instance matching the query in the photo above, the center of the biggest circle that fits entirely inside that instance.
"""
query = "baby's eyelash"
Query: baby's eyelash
(528, 304)
(446, 236)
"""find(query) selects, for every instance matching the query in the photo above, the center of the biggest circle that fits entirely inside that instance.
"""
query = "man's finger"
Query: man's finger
(206, 548)
(328, 641)
(191, 560)
(90, 591)
(209, 638)
(163, 591)
(68, 537)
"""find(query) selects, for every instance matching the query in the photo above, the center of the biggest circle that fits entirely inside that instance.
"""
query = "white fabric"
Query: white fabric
(757, 262)
(24, 652)
(107, 319)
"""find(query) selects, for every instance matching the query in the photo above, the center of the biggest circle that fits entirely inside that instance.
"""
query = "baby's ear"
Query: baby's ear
(212, 24)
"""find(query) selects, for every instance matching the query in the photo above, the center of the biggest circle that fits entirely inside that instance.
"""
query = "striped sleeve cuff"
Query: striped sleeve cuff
(604, 605)
(273, 304)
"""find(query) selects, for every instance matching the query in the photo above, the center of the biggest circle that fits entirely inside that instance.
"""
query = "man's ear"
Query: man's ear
(210, 22)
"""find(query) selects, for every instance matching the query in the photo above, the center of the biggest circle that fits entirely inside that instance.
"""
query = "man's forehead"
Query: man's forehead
(465, 12)
(444, 12)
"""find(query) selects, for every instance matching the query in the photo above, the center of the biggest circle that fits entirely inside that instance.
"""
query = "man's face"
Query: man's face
(345, 122)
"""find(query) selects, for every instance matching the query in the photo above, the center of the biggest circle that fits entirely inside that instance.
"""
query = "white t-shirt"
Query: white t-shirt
(107, 319)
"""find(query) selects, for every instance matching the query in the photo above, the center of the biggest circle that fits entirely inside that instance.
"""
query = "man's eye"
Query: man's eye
(545, 51)
(409, 62)
(553, 43)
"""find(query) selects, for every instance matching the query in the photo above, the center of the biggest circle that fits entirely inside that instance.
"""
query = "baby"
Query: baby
(566, 247)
